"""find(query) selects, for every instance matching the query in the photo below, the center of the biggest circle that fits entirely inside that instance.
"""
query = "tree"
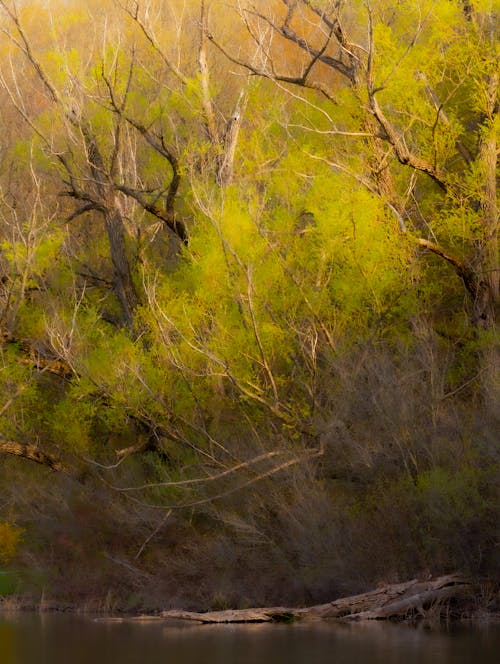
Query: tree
(92, 167)
(111, 145)
(247, 269)
(413, 92)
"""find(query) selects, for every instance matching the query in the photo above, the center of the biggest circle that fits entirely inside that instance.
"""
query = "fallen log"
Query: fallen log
(419, 598)
(400, 600)
(274, 614)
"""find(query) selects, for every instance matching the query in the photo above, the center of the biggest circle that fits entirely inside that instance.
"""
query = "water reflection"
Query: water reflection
(61, 639)
(7, 635)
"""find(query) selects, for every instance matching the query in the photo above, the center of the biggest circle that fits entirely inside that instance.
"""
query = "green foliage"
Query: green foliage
(10, 538)
(302, 308)
(8, 584)
(38, 259)
(72, 423)
(450, 499)
(22, 398)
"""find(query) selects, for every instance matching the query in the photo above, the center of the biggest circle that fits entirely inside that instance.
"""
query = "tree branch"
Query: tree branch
(403, 154)
(284, 30)
(272, 76)
(34, 453)
(168, 217)
(470, 279)
(81, 210)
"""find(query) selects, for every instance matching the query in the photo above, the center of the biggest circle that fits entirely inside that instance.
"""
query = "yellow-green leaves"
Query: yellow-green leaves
(10, 538)
(36, 258)
(72, 424)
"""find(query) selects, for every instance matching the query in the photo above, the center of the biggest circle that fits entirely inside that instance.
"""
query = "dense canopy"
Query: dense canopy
(249, 289)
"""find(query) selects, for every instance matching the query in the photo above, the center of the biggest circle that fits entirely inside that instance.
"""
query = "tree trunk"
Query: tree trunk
(485, 309)
(487, 301)
(123, 283)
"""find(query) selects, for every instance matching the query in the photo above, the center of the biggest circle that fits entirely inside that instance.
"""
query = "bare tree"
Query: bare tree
(220, 116)
(93, 167)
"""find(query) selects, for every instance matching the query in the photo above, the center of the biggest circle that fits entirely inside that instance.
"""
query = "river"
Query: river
(68, 639)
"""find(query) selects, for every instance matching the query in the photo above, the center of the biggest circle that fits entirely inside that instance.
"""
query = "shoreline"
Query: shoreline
(450, 599)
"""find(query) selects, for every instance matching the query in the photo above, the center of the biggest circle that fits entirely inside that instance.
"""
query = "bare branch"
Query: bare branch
(151, 38)
(203, 480)
(286, 31)
(169, 219)
(24, 45)
(160, 524)
(81, 210)
(309, 454)
(206, 99)
(273, 76)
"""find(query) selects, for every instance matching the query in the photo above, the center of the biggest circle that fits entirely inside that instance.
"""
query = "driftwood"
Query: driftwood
(274, 614)
(399, 600)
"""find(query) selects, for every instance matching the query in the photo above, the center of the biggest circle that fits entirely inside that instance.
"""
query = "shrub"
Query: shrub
(10, 537)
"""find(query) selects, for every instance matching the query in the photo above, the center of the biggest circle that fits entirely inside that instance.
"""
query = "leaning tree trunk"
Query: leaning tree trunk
(108, 204)
(487, 301)
(123, 282)
(489, 259)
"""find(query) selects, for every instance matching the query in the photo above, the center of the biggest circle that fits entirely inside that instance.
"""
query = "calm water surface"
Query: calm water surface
(62, 639)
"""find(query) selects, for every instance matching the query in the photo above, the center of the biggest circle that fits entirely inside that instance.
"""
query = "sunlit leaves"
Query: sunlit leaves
(304, 253)
(73, 425)
(36, 258)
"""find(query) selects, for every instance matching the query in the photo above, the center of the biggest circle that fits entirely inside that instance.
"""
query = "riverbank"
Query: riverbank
(449, 598)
